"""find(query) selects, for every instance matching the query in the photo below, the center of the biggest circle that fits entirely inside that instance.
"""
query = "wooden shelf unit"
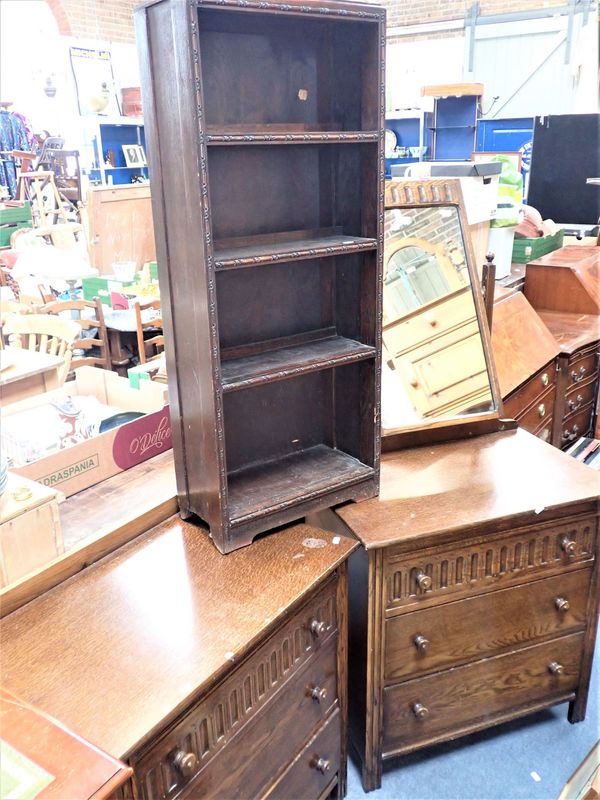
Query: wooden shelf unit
(270, 257)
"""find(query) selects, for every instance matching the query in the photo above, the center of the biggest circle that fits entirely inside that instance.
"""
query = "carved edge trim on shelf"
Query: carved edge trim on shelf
(241, 696)
(295, 255)
(271, 377)
(208, 249)
(483, 563)
(316, 10)
(258, 138)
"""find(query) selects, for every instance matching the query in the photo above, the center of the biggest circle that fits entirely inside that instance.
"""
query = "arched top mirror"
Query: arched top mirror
(438, 378)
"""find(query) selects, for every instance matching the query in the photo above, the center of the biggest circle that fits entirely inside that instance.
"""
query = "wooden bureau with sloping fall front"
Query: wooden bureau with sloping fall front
(211, 676)
(474, 600)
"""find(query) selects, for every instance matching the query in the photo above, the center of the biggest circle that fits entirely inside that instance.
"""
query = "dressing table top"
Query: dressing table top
(487, 483)
(120, 649)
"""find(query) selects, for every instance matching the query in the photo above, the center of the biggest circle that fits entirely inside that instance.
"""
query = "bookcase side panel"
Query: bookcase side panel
(183, 238)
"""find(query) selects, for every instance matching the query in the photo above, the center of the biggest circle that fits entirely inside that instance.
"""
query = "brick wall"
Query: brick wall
(112, 20)
(415, 12)
(108, 20)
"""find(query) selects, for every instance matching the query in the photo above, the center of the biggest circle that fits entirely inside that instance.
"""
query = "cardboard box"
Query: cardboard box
(104, 286)
(93, 460)
(30, 532)
(479, 183)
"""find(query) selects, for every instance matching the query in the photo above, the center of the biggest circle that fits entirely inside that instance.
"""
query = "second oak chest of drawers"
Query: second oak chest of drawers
(474, 600)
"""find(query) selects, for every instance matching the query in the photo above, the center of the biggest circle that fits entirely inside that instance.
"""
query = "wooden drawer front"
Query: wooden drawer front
(579, 396)
(439, 637)
(581, 367)
(273, 738)
(315, 768)
(473, 695)
(537, 385)
(473, 566)
(576, 425)
(536, 416)
(544, 431)
(273, 679)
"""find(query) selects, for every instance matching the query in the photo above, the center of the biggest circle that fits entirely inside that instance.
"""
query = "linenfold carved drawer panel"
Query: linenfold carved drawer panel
(478, 564)
(250, 707)
(448, 635)
(471, 696)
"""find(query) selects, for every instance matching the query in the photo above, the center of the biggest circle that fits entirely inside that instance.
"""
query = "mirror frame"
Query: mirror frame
(408, 193)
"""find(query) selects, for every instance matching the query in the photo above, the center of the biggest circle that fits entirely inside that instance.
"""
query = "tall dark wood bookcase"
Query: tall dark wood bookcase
(264, 125)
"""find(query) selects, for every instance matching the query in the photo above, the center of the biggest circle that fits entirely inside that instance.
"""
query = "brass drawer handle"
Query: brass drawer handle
(555, 668)
(423, 581)
(569, 546)
(421, 643)
(562, 604)
(186, 763)
(542, 410)
(420, 711)
(568, 435)
(545, 379)
(322, 764)
(573, 406)
(319, 693)
(577, 377)
(318, 627)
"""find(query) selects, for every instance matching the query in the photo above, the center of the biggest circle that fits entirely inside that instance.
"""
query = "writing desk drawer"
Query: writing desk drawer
(442, 636)
(267, 701)
(539, 384)
(454, 701)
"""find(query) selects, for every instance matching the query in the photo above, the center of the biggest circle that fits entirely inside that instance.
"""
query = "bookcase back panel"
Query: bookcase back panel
(276, 419)
(274, 301)
(355, 297)
(262, 189)
(260, 69)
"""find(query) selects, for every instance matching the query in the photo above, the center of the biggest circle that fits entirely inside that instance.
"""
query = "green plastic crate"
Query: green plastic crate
(11, 219)
(153, 270)
(102, 287)
(526, 250)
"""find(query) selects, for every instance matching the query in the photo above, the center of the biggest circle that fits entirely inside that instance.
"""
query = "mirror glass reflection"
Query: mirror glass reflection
(434, 364)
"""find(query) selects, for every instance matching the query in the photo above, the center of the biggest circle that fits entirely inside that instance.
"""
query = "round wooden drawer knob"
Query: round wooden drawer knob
(318, 627)
(423, 581)
(568, 545)
(319, 693)
(323, 765)
(186, 763)
(562, 604)
(555, 668)
(420, 711)
(545, 379)
(421, 643)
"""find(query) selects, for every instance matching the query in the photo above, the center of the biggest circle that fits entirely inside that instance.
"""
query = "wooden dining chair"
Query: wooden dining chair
(90, 317)
(45, 333)
(155, 342)
(7, 308)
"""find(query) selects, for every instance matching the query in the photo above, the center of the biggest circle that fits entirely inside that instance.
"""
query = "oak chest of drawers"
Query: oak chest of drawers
(474, 599)
(577, 382)
(211, 676)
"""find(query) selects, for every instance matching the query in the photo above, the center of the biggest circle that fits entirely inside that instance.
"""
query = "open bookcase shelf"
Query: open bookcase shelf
(293, 246)
(270, 257)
